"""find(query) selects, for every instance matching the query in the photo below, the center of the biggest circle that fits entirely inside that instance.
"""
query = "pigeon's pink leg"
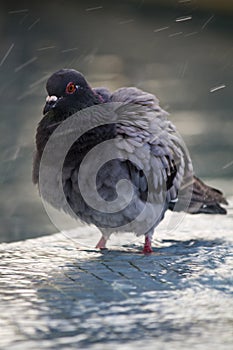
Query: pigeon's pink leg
(147, 246)
(102, 243)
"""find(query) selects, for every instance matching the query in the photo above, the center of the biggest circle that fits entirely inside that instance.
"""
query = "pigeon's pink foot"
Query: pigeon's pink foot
(102, 243)
(147, 246)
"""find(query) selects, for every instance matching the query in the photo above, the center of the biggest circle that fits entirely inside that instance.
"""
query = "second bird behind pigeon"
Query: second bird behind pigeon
(150, 155)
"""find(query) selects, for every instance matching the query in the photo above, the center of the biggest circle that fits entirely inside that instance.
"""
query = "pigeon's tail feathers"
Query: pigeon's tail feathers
(203, 199)
(206, 199)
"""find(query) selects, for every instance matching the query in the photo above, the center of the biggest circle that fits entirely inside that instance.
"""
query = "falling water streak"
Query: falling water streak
(11, 154)
(94, 8)
(17, 11)
(45, 48)
(184, 18)
(6, 54)
(34, 23)
(69, 50)
(207, 22)
(126, 21)
(25, 64)
(175, 34)
(184, 68)
(227, 165)
(23, 19)
(160, 29)
(39, 81)
(218, 88)
(190, 34)
(28, 92)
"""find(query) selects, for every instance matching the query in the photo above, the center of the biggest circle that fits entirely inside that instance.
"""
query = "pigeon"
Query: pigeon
(149, 153)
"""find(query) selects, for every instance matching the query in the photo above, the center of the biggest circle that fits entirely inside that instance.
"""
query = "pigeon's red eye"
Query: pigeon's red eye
(70, 88)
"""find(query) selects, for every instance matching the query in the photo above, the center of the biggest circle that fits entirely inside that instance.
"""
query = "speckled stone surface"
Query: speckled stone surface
(57, 294)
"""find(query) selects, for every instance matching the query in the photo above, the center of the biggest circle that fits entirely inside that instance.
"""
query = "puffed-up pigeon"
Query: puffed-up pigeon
(144, 168)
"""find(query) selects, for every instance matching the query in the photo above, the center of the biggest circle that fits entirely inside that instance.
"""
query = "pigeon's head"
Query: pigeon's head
(69, 92)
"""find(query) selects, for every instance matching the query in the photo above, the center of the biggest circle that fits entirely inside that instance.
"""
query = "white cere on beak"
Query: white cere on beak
(52, 98)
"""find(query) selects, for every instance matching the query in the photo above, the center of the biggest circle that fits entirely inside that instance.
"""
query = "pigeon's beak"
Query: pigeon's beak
(50, 103)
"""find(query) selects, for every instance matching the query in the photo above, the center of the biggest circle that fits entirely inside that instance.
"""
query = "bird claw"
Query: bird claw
(101, 244)
(147, 246)
(147, 250)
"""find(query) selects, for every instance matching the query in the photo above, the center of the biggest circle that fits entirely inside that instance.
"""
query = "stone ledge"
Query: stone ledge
(56, 294)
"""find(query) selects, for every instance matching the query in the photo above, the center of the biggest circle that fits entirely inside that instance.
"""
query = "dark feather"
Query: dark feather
(204, 199)
(208, 198)
(104, 93)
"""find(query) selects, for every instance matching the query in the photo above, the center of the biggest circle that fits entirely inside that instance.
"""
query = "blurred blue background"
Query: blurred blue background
(179, 50)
